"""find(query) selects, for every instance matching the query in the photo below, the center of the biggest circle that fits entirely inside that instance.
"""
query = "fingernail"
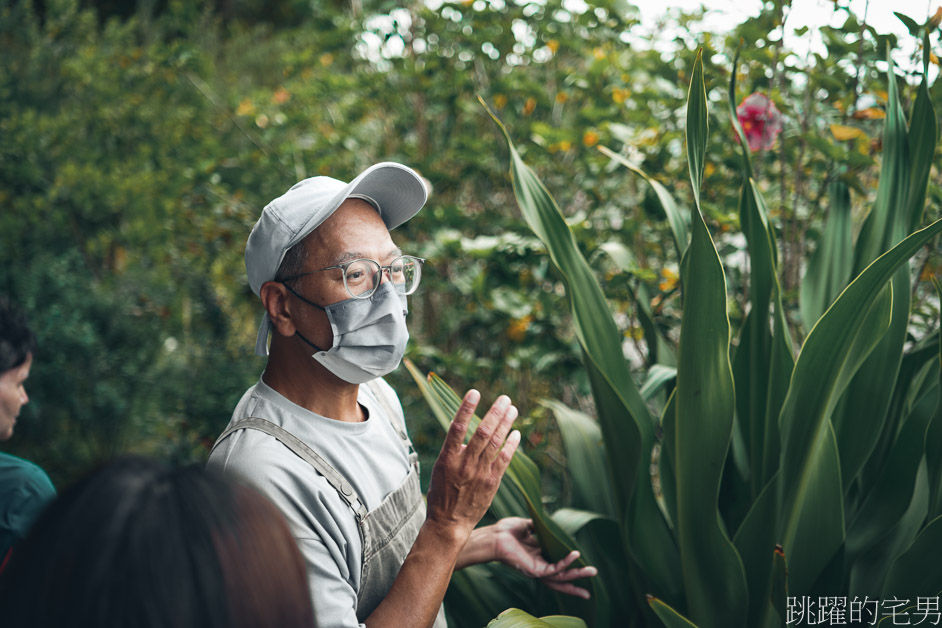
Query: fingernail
(502, 402)
(593, 571)
(473, 396)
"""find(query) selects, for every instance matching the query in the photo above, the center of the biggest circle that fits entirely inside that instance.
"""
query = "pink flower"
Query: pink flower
(760, 120)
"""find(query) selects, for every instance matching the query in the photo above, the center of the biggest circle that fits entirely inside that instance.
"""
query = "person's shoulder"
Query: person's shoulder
(25, 476)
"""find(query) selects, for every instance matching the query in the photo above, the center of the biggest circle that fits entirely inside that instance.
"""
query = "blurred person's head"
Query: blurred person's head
(17, 344)
(139, 543)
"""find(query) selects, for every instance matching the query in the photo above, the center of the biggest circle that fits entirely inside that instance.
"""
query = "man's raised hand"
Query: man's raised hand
(465, 478)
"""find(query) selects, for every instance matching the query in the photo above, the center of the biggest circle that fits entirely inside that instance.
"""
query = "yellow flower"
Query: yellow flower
(669, 281)
(553, 45)
(590, 138)
(620, 94)
(246, 108)
(500, 101)
(517, 328)
(326, 59)
(562, 97)
(598, 53)
(529, 106)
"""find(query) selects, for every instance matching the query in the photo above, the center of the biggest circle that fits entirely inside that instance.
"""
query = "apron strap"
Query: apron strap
(307, 454)
(380, 395)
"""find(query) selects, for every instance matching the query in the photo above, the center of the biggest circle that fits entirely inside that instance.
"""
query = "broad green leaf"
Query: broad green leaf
(934, 437)
(864, 408)
(479, 592)
(734, 117)
(918, 571)
(829, 266)
(627, 424)
(665, 463)
(753, 359)
(675, 217)
(891, 497)
(670, 617)
(697, 127)
(923, 139)
(516, 618)
(585, 459)
(810, 522)
(601, 539)
(658, 376)
(714, 581)
(886, 223)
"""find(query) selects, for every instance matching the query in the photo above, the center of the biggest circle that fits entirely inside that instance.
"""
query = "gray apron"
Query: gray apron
(387, 532)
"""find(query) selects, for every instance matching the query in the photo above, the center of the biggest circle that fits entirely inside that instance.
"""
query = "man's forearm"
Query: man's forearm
(417, 592)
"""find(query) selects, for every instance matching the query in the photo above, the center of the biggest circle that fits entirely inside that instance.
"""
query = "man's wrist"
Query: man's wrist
(480, 548)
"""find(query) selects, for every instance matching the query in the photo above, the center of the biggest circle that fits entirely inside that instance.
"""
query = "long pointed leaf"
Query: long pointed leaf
(713, 573)
(831, 353)
(626, 422)
(829, 266)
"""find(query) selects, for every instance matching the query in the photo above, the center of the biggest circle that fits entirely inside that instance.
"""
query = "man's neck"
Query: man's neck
(304, 381)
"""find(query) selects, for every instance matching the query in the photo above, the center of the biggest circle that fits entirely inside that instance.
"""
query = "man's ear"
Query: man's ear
(275, 299)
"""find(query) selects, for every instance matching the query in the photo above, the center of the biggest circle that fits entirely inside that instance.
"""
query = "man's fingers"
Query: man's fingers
(569, 589)
(488, 426)
(459, 426)
(561, 565)
(507, 453)
(573, 574)
(503, 428)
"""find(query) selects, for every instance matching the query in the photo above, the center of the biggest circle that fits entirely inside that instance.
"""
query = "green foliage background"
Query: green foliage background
(137, 148)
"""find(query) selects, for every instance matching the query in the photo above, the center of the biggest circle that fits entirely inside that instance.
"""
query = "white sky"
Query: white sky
(814, 14)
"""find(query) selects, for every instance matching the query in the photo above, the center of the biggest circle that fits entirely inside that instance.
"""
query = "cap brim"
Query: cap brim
(397, 192)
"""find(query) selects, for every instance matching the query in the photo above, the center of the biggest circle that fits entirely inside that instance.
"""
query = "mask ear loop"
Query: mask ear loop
(311, 303)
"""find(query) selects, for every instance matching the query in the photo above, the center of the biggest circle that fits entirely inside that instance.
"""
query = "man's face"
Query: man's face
(13, 396)
(354, 231)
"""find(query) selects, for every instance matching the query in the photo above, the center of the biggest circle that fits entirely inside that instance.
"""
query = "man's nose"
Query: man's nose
(25, 398)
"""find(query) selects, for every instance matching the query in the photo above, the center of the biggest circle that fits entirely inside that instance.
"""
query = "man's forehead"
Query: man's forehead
(355, 230)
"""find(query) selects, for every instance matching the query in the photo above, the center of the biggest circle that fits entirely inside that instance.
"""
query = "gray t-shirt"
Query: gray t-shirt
(369, 455)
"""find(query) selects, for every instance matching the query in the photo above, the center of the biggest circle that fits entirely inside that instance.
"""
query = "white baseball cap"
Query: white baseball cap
(396, 191)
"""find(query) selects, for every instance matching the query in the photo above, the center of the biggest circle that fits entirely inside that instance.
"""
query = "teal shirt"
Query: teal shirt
(25, 489)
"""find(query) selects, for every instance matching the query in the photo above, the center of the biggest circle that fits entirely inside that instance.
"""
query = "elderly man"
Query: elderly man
(25, 489)
(323, 436)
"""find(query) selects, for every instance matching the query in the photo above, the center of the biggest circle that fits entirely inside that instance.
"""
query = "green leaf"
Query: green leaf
(892, 495)
(714, 580)
(923, 138)
(697, 126)
(516, 618)
(810, 521)
(734, 117)
(829, 266)
(627, 424)
(670, 617)
(918, 571)
(585, 459)
(934, 436)
(675, 217)
(871, 390)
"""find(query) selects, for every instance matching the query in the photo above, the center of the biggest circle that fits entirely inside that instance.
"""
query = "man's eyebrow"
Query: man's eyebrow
(351, 255)
(345, 257)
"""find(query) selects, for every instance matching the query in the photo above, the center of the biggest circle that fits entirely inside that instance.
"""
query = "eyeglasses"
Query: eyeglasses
(361, 277)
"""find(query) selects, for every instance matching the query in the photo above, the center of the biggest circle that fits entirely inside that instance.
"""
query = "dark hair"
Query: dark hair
(293, 262)
(140, 543)
(16, 338)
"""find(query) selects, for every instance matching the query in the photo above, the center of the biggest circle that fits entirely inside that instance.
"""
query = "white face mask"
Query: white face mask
(370, 335)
